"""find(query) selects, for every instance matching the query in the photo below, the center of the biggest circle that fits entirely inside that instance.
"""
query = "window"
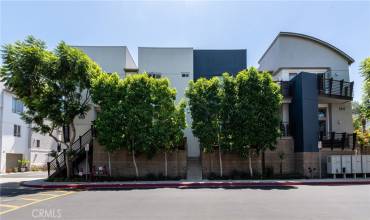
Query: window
(37, 143)
(185, 74)
(17, 131)
(17, 106)
(154, 75)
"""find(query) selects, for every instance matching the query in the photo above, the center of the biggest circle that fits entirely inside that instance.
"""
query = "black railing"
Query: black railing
(338, 140)
(285, 129)
(335, 88)
(58, 164)
(284, 88)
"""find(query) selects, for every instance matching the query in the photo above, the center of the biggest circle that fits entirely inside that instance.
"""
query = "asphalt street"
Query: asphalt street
(302, 202)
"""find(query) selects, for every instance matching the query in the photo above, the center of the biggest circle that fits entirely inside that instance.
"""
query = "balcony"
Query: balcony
(335, 140)
(338, 89)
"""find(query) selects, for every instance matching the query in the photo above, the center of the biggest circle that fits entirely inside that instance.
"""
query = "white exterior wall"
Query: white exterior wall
(39, 155)
(296, 52)
(26, 143)
(283, 74)
(10, 143)
(171, 63)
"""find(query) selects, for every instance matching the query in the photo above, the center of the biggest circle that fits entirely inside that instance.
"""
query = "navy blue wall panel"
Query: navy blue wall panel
(304, 112)
(209, 63)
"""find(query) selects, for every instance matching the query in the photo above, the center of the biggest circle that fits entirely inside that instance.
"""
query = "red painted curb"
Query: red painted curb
(190, 185)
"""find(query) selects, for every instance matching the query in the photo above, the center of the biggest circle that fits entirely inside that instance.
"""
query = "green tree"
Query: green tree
(258, 107)
(365, 71)
(138, 113)
(168, 119)
(205, 98)
(53, 85)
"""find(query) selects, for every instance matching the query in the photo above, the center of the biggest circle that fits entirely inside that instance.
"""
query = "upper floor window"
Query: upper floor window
(185, 74)
(155, 75)
(17, 131)
(17, 106)
(37, 143)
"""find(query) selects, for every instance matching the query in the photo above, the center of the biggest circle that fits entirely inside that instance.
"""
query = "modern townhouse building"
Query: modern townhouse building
(316, 118)
(317, 97)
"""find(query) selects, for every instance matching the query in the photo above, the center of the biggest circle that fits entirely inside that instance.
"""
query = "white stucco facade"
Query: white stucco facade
(22, 145)
(177, 65)
(11, 144)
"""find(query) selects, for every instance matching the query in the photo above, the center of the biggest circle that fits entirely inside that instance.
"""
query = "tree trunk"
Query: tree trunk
(165, 164)
(109, 165)
(71, 141)
(68, 166)
(281, 168)
(135, 165)
(263, 163)
(250, 164)
(220, 158)
(363, 122)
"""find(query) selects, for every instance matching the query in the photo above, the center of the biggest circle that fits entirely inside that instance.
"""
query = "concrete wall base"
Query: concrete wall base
(122, 163)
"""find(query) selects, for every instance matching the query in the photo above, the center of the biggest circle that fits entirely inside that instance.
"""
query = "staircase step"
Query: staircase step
(194, 169)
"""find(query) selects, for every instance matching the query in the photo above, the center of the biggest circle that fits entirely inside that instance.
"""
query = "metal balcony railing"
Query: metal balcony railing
(285, 129)
(338, 140)
(335, 88)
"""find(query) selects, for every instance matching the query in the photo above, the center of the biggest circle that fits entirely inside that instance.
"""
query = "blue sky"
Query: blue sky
(198, 24)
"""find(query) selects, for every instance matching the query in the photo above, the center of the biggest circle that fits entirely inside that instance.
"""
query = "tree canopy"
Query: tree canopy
(53, 85)
(365, 71)
(138, 113)
(240, 114)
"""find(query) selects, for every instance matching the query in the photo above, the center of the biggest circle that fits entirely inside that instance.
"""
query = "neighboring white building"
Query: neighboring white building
(17, 140)
(177, 65)
(15, 134)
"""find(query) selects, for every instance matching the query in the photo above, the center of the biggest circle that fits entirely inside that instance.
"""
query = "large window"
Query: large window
(17, 106)
(17, 131)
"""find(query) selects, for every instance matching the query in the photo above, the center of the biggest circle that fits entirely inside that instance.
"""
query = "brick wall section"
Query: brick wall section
(233, 162)
(122, 165)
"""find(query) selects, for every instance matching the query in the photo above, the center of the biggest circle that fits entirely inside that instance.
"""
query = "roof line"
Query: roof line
(349, 59)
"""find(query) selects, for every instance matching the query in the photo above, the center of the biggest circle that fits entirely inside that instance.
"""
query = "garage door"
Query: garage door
(12, 161)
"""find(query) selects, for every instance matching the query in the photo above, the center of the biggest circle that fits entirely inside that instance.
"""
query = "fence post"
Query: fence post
(330, 85)
(343, 140)
(341, 87)
(354, 139)
(332, 137)
(80, 141)
(64, 157)
(48, 163)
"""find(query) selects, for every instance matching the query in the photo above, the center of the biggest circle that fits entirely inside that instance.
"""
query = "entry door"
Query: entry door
(323, 120)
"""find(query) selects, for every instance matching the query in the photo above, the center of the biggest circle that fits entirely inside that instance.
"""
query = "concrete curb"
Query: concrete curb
(189, 185)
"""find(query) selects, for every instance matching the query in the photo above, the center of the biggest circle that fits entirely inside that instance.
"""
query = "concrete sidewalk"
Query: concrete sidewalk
(192, 184)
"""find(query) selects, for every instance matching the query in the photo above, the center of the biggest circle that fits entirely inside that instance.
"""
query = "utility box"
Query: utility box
(356, 164)
(366, 163)
(334, 164)
(346, 164)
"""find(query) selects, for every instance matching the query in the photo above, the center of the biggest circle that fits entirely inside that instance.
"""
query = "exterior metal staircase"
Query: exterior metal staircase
(57, 166)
